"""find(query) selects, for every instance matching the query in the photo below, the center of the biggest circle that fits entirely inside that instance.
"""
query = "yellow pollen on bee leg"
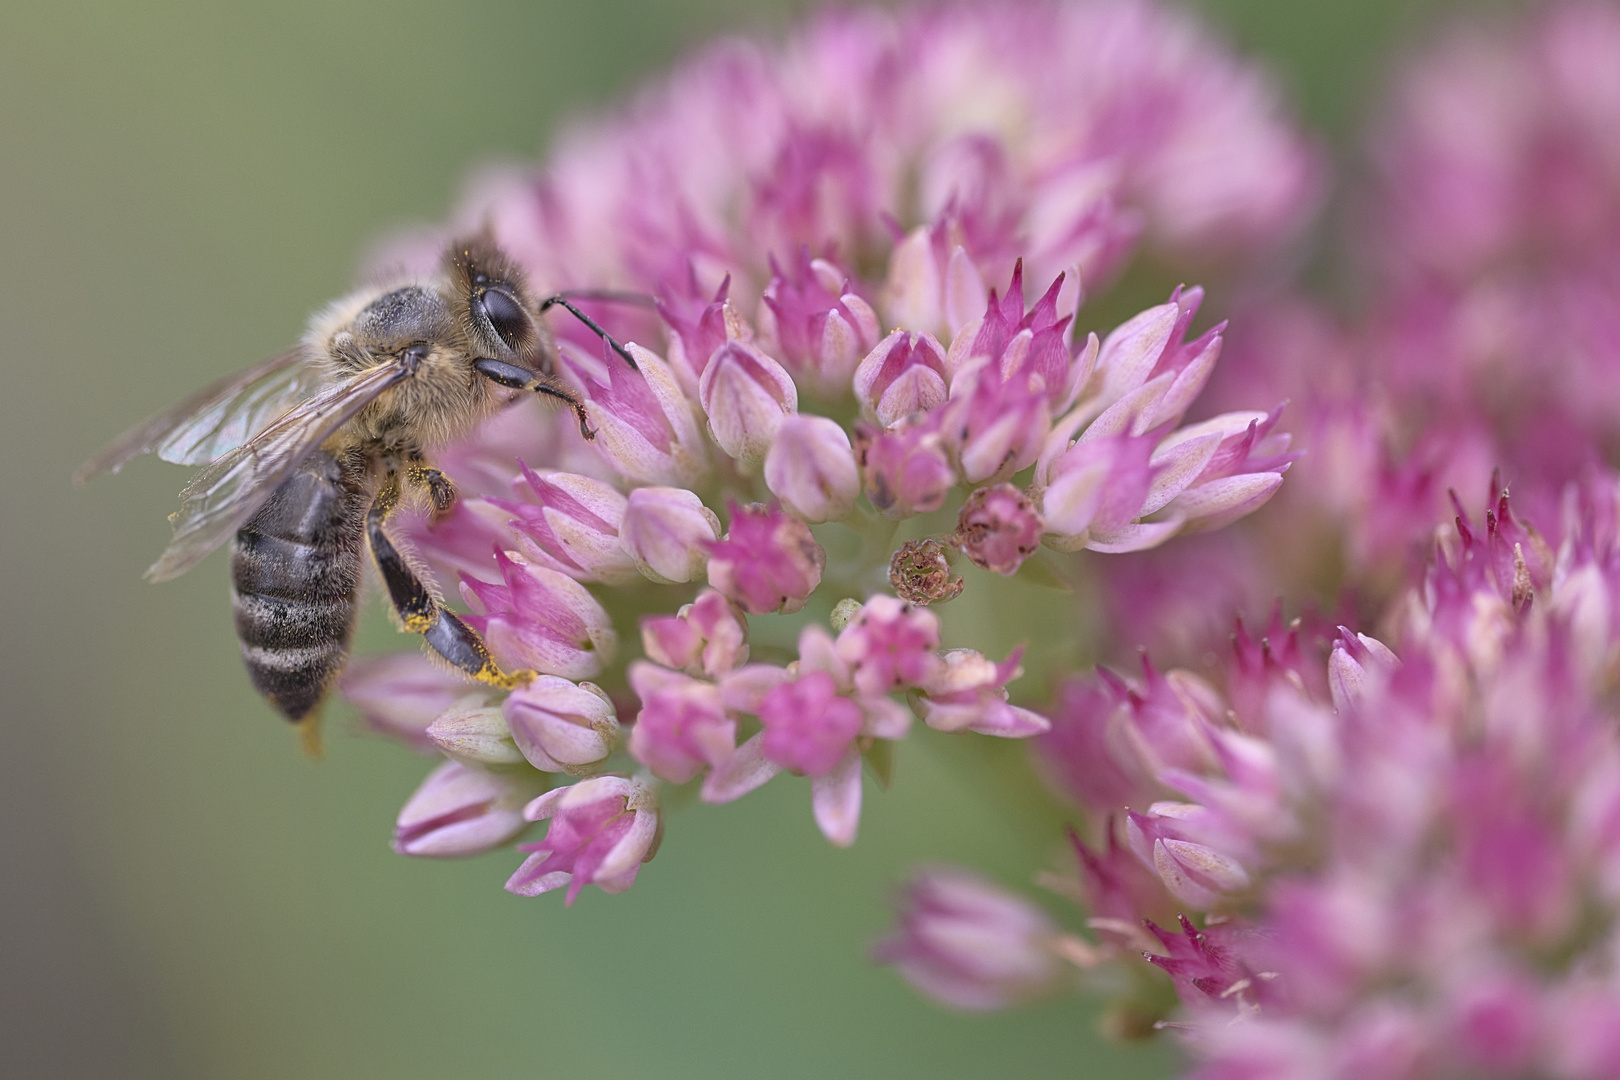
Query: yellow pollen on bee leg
(499, 679)
(419, 624)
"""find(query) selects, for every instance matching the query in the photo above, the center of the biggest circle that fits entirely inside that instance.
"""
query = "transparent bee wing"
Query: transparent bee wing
(216, 419)
(222, 497)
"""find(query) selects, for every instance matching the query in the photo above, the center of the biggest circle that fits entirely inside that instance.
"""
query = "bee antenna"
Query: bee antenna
(561, 300)
(613, 296)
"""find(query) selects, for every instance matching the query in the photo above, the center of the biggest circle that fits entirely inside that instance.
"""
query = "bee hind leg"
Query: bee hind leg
(444, 632)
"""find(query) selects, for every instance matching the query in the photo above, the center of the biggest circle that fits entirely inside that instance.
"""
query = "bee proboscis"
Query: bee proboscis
(307, 453)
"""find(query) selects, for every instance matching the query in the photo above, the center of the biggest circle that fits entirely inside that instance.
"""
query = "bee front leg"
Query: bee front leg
(444, 632)
(498, 371)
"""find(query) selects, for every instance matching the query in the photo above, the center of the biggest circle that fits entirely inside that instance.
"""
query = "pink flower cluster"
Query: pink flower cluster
(782, 205)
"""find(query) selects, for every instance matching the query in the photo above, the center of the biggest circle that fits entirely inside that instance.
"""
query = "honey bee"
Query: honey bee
(307, 453)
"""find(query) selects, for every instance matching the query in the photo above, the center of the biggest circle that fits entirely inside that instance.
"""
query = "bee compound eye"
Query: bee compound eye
(508, 318)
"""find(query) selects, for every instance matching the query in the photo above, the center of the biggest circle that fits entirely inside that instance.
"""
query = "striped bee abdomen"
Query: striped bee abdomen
(295, 571)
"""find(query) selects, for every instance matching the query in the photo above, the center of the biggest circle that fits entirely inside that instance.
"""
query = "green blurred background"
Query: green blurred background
(182, 894)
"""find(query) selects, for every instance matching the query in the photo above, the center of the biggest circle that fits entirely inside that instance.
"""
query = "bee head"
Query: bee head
(492, 301)
(409, 319)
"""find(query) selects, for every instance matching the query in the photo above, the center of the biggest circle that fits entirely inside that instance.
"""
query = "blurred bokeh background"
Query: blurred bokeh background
(182, 893)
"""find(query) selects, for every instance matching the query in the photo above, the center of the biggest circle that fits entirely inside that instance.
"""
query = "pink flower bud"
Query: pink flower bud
(903, 375)
(932, 282)
(644, 424)
(561, 727)
(905, 471)
(667, 532)
(601, 831)
(461, 811)
(682, 727)
(811, 469)
(701, 326)
(573, 528)
(745, 394)
(998, 528)
(890, 645)
(1196, 874)
(767, 562)
(400, 694)
(971, 944)
(968, 692)
(540, 619)
(708, 637)
(1095, 489)
(476, 735)
(996, 426)
(808, 726)
(1031, 349)
(815, 323)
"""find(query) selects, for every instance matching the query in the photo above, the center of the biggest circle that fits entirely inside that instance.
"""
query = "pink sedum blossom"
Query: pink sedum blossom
(573, 527)
(541, 619)
(767, 561)
(808, 727)
(460, 810)
(708, 637)
(666, 532)
(560, 726)
(841, 354)
(601, 831)
(972, 944)
(811, 469)
(683, 725)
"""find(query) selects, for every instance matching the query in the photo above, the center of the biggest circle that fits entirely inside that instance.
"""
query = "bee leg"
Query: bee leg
(441, 490)
(444, 632)
(498, 371)
(561, 300)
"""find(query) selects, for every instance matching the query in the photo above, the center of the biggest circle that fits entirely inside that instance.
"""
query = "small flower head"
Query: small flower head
(601, 831)
(400, 694)
(746, 395)
(460, 810)
(560, 726)
(708, 637)
(816, 323)
(683, 726)
(811, 469)
(968, 692)
(920, 573)
(998, 528)
(809, 727)
(906, 374)
(889, 645)
(541, 619)
(972, 944)
(666, 532)
(573, 527)
(767, 561)
(905, 471)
